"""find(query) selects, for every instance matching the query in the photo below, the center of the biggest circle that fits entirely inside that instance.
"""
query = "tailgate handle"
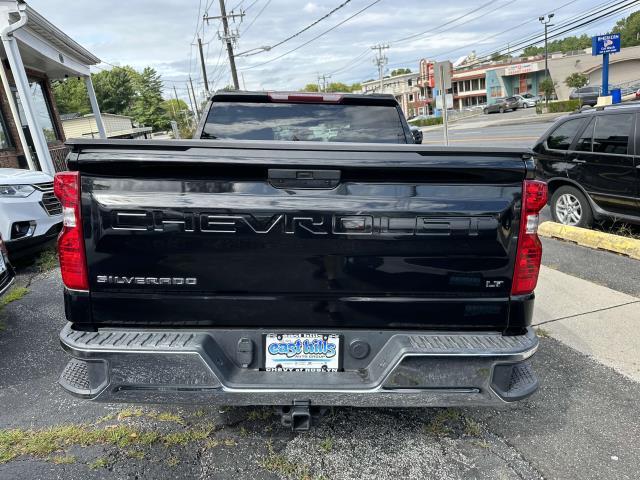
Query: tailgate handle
(312, 179)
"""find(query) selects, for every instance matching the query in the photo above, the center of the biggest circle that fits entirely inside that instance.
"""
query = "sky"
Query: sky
(163, 34)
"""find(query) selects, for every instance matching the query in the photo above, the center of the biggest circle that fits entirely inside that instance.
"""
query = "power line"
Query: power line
(311, 25)
(511, 43)
(314, 38)
(444, 24)
(256, 17)
(521, 45)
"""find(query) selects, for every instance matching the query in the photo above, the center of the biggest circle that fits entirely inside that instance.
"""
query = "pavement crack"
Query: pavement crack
(586, 313)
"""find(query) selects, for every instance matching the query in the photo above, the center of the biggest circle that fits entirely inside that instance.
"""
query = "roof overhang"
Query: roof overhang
(46, 48)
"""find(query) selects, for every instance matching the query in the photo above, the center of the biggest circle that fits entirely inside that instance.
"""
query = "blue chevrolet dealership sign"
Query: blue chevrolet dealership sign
(602, 44)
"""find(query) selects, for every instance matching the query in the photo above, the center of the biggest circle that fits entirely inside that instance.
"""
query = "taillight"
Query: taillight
(73, 265)
(529, 253)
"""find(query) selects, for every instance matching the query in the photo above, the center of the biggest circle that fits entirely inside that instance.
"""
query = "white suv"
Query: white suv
(30, 214)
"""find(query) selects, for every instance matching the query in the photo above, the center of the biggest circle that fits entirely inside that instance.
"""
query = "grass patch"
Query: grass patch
(442, 423)
(137, 454)
(326, 445)
(13, 295)
(260, 414)
(47, 260)
(42, 443)
(542, 333)
(128, 413)
(167, 417)
(227, 442)
(63, 460)
(99, 463)
(186, 436)
(472, 428)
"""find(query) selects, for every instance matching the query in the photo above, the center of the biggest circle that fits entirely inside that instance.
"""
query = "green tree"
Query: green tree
(629, 30)
(178, 111)
(564, 45)
(548, 88)
(71, 96)
(147, 108)
(114, 90)
(310, 87)
(576, 80)
(400, 71)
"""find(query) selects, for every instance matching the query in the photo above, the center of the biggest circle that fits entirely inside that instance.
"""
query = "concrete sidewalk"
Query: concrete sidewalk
(595, 320)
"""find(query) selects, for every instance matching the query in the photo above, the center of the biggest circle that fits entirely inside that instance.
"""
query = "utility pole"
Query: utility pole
(195, 100)
(229, 38)
(380, 60)
(324, 79)
(177, 102)
(204, 67)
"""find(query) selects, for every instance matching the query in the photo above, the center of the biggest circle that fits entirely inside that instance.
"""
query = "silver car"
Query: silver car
(527, 100)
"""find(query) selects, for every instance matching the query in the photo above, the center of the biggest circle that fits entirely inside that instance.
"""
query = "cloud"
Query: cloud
(162, 34)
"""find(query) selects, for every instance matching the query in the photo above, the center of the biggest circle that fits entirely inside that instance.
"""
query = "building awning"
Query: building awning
(47, 49)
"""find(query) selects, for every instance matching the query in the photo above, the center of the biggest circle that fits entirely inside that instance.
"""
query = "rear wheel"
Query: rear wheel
(485, 111)
(501, 109)
(524, 105)
(569, 206)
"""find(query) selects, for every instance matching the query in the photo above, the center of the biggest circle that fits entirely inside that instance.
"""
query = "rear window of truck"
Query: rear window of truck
(304, 122)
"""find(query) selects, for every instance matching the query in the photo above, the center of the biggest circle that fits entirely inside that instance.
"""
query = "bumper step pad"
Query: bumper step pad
(402, 369)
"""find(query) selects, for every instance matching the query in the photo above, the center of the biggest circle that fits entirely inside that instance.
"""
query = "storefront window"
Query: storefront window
(43, 111)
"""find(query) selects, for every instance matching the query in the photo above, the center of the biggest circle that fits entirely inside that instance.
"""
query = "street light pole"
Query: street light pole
(545, 20)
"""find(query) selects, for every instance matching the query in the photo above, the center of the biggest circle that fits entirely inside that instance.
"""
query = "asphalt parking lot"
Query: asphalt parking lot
(583, 422)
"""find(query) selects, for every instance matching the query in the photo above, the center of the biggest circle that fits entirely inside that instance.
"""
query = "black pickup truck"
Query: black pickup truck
(268, 263)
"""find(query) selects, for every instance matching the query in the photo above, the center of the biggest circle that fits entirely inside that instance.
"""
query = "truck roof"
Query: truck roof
(302, 97)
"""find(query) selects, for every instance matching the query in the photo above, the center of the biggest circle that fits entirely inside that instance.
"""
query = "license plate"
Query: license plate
(3, 266)
(307, 352)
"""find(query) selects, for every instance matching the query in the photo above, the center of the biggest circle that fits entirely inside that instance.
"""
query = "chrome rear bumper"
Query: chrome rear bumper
(401, 369)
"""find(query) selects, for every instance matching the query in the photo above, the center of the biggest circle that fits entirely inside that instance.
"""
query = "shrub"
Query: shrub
(559, 106)
(427, 122)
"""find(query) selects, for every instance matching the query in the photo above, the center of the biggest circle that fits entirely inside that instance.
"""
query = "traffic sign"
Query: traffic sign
(602, 44)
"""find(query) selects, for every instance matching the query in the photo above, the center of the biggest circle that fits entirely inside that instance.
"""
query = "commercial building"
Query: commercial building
(34, 52)
(116, 126)
(469, 87)
(624, 67)
(517, 77)
(413, 95)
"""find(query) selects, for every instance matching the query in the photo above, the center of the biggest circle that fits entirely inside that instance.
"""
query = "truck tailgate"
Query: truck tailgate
(299, 235)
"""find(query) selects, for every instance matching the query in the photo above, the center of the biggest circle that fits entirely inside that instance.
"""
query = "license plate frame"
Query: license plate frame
(302, 352)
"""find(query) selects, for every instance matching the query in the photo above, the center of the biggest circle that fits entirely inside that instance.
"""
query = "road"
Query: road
(482, 131)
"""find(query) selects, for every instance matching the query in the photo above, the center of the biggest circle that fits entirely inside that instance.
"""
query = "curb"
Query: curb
(592, 239)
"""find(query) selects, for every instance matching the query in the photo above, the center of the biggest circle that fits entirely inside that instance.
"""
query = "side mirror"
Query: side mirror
(417, 135)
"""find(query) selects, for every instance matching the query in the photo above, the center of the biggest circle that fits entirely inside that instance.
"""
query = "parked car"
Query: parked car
(587, 95)
(588, 161)
(638, 94)
(6, 272)
(416, 133)
(30, 214)
(417, 118)
(501, 105)
(527, 100)
(251, 269)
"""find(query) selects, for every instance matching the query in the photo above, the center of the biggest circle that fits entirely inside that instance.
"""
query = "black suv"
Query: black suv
(591, 161)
